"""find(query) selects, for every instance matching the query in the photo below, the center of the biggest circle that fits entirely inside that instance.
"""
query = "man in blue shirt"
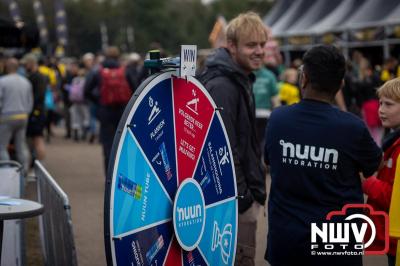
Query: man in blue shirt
(315, 153)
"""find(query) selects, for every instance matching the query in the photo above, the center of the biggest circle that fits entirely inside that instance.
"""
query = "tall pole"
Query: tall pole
(41, 23)
(130, 34)
(61, 26)
(104, 36)
(14, 11)
(386, 49)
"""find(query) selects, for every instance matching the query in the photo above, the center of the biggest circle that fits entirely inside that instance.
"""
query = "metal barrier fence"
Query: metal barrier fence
(55, 224)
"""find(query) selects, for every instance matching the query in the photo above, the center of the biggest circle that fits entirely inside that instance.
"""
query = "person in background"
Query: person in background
(228, 76)
(390, 70)
(133, 68)
(265, 91)
(2, 64)
(379, 188)
(16, 102)
(315, 153)
(71, 73)
(289, 93)
(79, 110)
(349, 91)
(110, 88)
(366, 84)
(61, 107)
(88, 61)
(51, 95)
(37, 118)
(273, 59)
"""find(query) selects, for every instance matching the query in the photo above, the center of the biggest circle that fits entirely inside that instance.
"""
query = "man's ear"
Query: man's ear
(303, 84)
(304, 80)
(342, 84)
(231, 45)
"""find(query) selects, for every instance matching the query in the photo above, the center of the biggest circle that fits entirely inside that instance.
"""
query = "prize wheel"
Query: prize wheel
(171, 191)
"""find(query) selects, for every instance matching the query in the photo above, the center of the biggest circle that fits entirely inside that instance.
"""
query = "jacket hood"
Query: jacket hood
(222, 60)
(110, 63)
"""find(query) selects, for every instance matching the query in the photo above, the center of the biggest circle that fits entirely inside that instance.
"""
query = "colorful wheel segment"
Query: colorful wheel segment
(171, 199)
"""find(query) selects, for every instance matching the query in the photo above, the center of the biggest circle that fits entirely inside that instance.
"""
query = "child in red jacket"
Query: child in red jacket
(379, 188)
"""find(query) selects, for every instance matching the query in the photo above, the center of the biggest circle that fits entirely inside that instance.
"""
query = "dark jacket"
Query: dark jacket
(39, 83)
(231, 89)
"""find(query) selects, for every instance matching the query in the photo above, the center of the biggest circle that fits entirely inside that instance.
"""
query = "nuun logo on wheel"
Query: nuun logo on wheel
(189, 214)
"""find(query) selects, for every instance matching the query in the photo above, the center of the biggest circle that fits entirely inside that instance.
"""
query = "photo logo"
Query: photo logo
(354, 235)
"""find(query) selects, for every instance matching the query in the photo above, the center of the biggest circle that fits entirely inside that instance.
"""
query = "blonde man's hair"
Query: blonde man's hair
(245, 25)
(391, 90)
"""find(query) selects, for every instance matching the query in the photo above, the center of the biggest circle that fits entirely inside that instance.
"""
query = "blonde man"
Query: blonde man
(228, 77)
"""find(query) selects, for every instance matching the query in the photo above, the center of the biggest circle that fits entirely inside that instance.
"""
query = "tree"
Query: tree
(168, 22)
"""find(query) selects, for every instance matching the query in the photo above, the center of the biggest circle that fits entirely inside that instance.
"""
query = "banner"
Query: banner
(41, 22)
(61, 23)
(14, 10)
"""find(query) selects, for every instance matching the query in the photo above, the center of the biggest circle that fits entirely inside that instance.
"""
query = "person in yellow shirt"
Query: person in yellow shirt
(289, 93)
(390, 70)
(50, 73)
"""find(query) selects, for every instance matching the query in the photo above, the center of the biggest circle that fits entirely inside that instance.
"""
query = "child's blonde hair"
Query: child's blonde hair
(391, 89)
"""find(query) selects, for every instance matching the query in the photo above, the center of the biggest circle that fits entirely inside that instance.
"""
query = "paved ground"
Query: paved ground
(78, 169)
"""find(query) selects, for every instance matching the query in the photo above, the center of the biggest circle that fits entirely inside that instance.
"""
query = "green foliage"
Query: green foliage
(168, 22)
(232, 8)
(83, 26)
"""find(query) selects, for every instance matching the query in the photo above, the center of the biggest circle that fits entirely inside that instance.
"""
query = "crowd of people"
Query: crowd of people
(38, 93)
(316, 124)
(277, 85)
(322, 142)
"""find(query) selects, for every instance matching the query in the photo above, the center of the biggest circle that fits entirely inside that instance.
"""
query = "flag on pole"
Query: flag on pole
(61, 23)
(41, 22)
(104, 36)
(14, 11)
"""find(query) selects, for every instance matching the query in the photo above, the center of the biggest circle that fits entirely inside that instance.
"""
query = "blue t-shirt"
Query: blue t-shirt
(315, 153)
